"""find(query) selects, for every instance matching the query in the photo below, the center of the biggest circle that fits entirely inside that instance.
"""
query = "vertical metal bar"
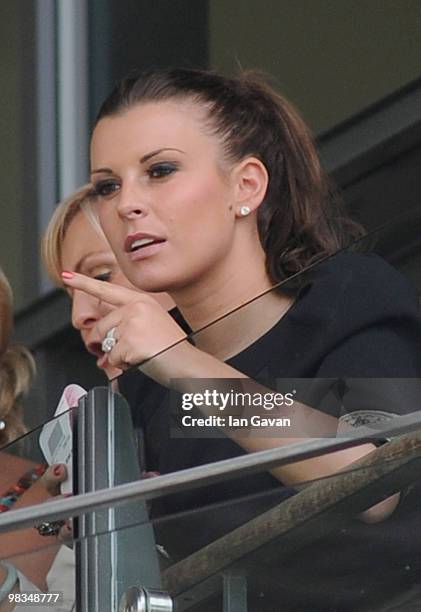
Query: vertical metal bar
(125, 554)
(46, 128)
(72, 77)
(234, 591)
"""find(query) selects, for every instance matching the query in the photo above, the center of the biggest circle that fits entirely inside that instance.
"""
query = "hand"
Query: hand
(143, 329)
(51, 480)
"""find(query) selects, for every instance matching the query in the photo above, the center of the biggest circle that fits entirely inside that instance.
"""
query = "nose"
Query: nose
(85, 310)
(131, 202)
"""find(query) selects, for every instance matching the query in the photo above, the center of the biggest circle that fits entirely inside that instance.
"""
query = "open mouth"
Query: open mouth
(143, 242)
(139, 241)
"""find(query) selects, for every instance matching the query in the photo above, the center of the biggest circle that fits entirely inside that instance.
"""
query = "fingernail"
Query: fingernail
(57, 470)
(67, 274)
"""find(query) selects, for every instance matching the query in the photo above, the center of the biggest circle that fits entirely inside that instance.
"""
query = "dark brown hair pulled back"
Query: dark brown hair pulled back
(301, 219)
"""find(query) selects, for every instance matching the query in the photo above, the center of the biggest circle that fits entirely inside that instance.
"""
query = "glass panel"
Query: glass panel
(307, 546)
(25, 481)
(300, 557)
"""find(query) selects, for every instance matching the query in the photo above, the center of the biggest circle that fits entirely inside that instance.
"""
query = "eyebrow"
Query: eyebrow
(148, 156)
(142, 160)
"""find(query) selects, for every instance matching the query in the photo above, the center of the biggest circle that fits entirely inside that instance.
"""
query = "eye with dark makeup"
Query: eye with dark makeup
(103, 276)
(162, 169)
(102, 271)
(105, 188)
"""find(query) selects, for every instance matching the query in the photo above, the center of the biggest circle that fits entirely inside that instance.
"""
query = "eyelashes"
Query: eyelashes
(162, 170)
(104, 276)
(105, 188)
(155, 172)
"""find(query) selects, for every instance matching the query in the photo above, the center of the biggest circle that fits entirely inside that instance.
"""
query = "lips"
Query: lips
(135, 242)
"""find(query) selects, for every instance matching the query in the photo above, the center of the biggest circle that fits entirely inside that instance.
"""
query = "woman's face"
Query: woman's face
(164, 202)
(85, 251)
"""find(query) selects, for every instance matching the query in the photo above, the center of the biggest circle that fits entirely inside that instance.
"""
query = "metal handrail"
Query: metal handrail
(310, 514)
(202, 475)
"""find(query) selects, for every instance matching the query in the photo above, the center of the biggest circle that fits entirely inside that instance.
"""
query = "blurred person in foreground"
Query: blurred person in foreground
(26, 557)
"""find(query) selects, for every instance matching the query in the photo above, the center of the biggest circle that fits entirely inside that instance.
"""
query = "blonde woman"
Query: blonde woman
(75, 241)
(21, 480)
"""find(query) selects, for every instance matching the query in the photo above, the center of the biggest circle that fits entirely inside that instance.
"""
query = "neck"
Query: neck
(231, 288)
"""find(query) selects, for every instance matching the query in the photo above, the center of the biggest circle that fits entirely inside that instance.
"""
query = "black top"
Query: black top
(354, 317)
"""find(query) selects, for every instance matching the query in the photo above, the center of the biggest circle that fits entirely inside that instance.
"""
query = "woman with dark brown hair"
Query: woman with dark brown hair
(210, 188)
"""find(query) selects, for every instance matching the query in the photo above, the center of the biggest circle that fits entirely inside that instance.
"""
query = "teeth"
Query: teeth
(142, 242)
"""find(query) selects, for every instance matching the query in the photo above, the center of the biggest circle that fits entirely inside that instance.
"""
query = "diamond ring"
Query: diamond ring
(50, 528)
(109, 341)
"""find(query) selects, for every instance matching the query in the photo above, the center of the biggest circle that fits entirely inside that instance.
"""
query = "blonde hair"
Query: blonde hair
(17, 368)
(52, 242)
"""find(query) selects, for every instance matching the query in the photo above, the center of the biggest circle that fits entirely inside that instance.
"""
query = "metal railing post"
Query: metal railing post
(234, 592)
(125, 552)
(145, 600)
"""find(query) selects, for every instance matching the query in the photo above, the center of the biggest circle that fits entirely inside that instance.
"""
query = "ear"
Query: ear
(250, 181)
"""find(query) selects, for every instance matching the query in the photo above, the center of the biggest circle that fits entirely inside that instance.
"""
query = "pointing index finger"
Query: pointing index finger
(113, 294)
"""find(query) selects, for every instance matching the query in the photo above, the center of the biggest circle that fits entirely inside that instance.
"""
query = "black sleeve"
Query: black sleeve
(365, 338)
(378, 371)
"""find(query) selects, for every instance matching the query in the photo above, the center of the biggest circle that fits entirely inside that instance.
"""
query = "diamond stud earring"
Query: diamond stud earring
(244, 211)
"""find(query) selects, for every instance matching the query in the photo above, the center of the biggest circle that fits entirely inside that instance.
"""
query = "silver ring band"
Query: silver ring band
(109, 341)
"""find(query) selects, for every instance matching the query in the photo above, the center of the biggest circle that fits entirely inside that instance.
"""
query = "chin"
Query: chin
(159, 279)
(157, 283)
